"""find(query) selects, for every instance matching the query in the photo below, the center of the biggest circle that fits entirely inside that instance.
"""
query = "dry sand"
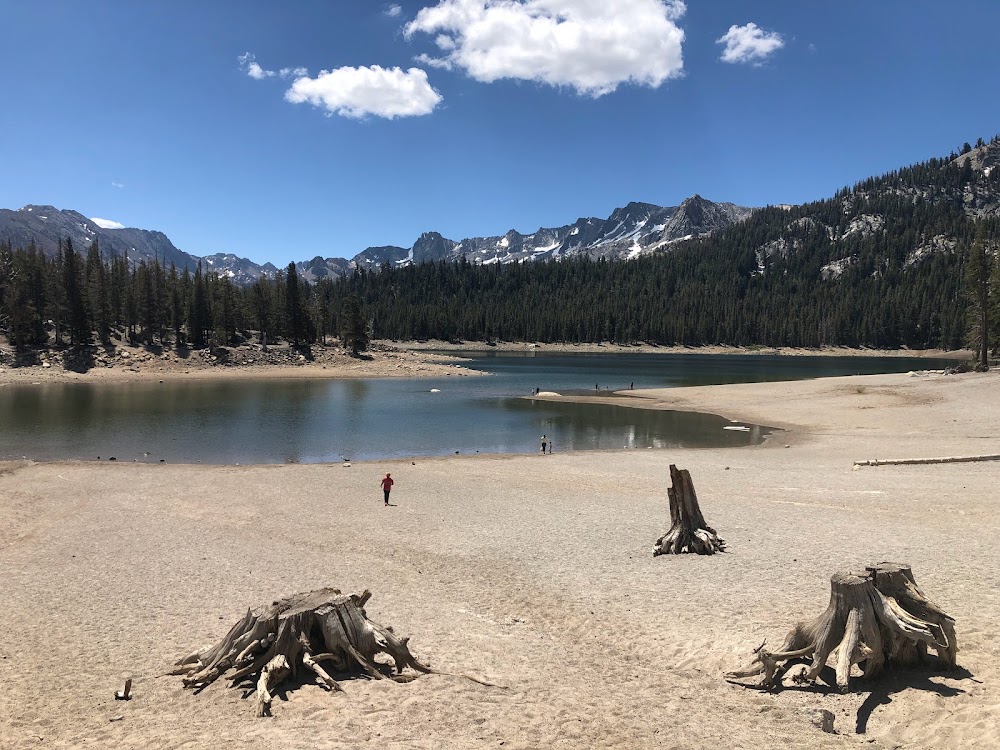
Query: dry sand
(532, 572)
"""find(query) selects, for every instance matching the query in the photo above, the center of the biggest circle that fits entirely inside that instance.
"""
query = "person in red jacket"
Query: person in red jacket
(387, 486)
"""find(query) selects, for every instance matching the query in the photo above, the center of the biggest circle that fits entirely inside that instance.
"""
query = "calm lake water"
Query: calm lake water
(329, 420)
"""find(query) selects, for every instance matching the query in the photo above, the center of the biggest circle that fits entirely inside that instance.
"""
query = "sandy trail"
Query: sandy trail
(532, 572)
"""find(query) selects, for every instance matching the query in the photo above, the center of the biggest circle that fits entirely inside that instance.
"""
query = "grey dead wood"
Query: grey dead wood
(688, 530)
(875, 619)
(275, 641)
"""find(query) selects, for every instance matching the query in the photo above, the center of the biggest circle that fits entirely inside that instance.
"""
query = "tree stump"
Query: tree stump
(688, 530)
(276, 640)
(874, 619)
(896, 583)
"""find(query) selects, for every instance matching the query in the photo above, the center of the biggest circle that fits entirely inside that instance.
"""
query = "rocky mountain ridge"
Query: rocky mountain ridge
(631, 231)
(974, 190)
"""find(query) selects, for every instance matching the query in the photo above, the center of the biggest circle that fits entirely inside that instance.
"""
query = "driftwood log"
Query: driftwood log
(875, 619)
(688, 530)
(304, 630)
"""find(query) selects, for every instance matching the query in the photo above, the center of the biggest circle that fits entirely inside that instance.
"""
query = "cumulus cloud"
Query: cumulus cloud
(359, 92)
(108, 224)
(592, 46)
(393, 11)
(117, 184)
(249, 65)
(749, 44)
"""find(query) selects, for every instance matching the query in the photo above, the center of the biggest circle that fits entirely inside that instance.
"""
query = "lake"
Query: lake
(260, 421)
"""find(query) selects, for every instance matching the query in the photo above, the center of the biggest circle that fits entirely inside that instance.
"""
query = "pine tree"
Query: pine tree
(353, 331)
(7, 280)
(198, 310)
(978, 272)
(296, 316)
(97, 292)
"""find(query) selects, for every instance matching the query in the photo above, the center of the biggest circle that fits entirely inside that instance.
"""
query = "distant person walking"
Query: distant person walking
(550, 447)
(544, 443)
(387, 486)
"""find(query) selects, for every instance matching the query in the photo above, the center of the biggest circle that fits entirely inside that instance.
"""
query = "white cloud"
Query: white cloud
(248, 64)
(293, 72)
(359, 92)
(592, 46)
(433, 62)
(393, 11)
(117, 184)
(108, 224)
(749, 44)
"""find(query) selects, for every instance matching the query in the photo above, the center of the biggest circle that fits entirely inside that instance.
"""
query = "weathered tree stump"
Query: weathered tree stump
(688, 530)
(301, 630)
(874, 619)
(896, 583)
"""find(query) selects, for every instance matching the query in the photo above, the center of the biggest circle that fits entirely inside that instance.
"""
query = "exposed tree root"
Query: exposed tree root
(300, 630)
(874, 619)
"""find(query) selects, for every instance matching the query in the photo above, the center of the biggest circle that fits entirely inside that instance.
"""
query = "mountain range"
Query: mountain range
(634, 230)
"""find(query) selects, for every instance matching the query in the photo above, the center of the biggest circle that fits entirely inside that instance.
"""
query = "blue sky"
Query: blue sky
(502, 113)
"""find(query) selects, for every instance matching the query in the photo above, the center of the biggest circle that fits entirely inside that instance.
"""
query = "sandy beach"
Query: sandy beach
(531, 572)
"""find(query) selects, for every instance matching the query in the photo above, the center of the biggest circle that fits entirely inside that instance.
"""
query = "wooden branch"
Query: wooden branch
(273, 673)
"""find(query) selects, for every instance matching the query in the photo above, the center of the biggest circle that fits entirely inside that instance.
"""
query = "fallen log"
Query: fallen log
(919, 461)
(874, 619)
(688, 530)
(275, 641)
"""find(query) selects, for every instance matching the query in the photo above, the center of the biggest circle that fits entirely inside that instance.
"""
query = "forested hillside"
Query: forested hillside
(884, 264)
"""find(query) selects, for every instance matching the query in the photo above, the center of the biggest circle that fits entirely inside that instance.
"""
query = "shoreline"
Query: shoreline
(385, 359)
(612, 348)
(124, 364)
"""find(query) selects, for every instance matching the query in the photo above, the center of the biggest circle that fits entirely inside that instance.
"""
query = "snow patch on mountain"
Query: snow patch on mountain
(108, 223)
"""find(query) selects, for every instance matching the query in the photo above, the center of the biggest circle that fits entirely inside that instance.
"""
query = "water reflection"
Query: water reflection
(605, 426)
(257, 421)
(310, 421)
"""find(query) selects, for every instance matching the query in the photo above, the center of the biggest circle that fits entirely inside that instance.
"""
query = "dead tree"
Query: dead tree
(688, 530)
(874, 619)
(276, 640)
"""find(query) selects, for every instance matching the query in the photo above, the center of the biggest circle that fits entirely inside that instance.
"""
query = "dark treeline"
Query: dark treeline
(923, 276)
(72, 299)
